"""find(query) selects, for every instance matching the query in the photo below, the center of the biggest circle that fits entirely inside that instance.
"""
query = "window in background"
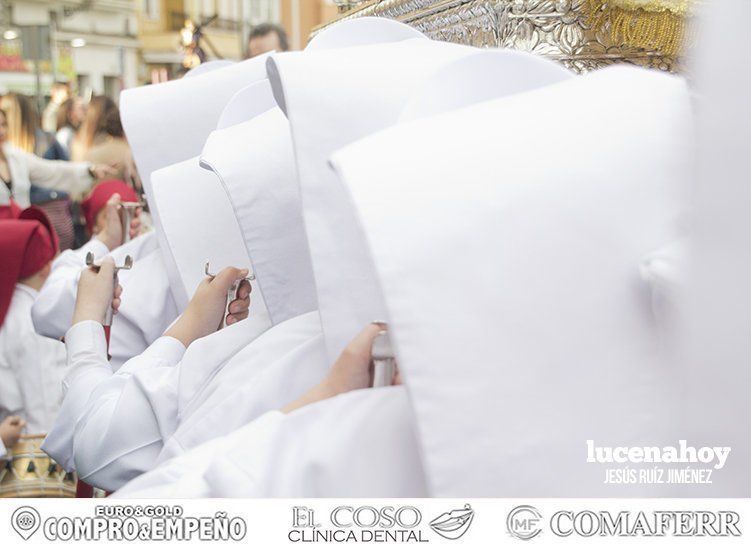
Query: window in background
(262, 11)
(151, 8)
(112, 87)
(84, 85)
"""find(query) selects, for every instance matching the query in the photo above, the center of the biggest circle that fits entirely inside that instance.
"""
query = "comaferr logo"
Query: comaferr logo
(665, 523)
(525, 523)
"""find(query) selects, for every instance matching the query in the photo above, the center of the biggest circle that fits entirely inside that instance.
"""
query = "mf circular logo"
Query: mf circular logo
(524, 522)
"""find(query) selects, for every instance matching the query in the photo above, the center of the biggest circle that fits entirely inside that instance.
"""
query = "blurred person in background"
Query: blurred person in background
(70, 115)
(24, 133)
(20, 168)
(266, 37)
(23, 123)
(101, 140)
(59, 93)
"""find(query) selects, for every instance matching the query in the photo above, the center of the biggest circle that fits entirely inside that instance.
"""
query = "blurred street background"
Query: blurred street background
(100, 47)
(64, 64)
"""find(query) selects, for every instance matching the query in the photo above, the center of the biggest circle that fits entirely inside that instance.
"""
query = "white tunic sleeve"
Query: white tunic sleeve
(52, 311)
(185, 475)
(113, 425)
(118, 435)
(87, 367)
(80, 431)
(361, 444)
(137, 409)
(31, 366)
(38, 366)
(147, 306)
(270, 372)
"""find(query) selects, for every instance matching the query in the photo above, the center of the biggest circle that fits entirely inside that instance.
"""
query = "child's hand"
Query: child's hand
(10, 430)
(240, 307)
(135, 224)
(95, 290)
(351, 371)
(112, 233)
(206, 309)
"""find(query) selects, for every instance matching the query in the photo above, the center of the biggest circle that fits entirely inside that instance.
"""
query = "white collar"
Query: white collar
(168, 123)
(333, 97)
(511, 281)
(255, 165)
(198, 225)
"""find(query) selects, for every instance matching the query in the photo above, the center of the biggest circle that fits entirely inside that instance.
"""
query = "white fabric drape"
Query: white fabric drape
(547, 339)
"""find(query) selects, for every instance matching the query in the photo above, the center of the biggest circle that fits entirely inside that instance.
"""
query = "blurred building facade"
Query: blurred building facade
(103, 46)
(92, 44)
(224, 25)
(300, 16)
(161, 23)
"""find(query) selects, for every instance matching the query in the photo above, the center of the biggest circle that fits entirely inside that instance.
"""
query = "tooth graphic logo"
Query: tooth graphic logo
(25, 520)
(524, 522)
(452, 525)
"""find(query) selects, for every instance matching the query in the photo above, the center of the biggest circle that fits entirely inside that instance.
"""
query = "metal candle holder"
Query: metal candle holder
(231, 292)
(382, 356)
(127, 265)
(127, 213)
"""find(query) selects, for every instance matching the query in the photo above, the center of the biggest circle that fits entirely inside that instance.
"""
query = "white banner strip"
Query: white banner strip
(465, 521)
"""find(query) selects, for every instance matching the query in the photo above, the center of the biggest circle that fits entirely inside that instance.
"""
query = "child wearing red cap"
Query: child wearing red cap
(31, 366)
(94, 205)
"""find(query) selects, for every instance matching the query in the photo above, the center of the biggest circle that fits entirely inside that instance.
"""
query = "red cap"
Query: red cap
(27, 244)
(34, 213)
(10, 210)
(99, 196)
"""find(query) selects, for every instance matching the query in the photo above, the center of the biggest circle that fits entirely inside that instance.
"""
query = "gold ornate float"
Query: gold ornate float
(581, 34)
(658, 25)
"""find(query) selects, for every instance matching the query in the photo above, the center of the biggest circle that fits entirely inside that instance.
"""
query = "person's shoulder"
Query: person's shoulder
(22, 301)
(105, 141)
(108, 150)
(18, 319)
(12, 151)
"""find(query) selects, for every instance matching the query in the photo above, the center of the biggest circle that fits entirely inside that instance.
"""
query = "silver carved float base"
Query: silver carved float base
(555, 29)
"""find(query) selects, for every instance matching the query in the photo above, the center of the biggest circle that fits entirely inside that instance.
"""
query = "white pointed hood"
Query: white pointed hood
(198, 219)
(198, 225)
(362, 31)
(333, 97)
(255, 165)
(488, 75)
(246, 104)
(508, 245)
(717, 346)
(206, 67)
(398, 471)
(169, 122)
